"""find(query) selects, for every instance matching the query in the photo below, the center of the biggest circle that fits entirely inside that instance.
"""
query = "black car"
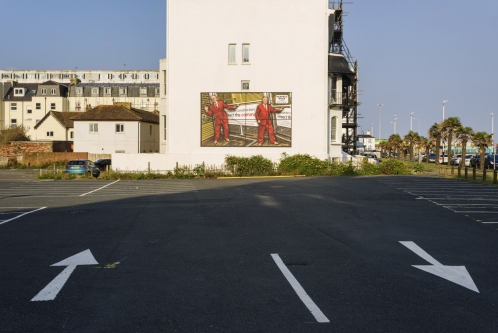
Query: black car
(475, 161)
(102, 164)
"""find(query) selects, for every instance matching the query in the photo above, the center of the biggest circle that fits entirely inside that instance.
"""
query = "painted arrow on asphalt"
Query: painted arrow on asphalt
(52, 289)
(455, 274)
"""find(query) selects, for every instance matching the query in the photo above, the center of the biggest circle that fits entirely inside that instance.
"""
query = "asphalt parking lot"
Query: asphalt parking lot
(347, 254)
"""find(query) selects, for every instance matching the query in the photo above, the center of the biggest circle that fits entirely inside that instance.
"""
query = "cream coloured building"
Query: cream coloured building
(55, 126)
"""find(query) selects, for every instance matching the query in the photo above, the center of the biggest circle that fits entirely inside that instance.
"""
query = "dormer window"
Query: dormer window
(95, 91)
(44, 91)
(18, 91)
(122, 91)
(107, 91)
(143, 91)
(52, 92)
(79, 91)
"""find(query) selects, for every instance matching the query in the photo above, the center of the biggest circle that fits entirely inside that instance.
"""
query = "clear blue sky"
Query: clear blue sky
(412, 54)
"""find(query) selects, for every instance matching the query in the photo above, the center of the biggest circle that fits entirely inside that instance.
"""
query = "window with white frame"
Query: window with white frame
(158, 91)
(52, 91)
(44, 91)
(119, 128)
(29, 109)
(245, 84)
(50, 133)
(143, 91)
(71, 135)
(107, 91)
(13, 106)
(18, 91)
(231, 53)
(94, 128)
(79, 91)
(52, 106)
(38, 106)
(333, 129)
(13, 122)
(95, 91)
(245, 53)
(122, 91)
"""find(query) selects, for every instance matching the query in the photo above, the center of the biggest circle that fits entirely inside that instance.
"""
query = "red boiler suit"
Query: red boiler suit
(265, 122)
(220, 118)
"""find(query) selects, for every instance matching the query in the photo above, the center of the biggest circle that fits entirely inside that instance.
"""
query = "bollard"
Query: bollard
(495, 180)
(466, 172)
(452, 170)
(459, 172)
(474, 173)
(483, 175)
(148, 168)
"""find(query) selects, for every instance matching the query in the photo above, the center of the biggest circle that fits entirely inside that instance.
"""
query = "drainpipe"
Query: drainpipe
(139, 137)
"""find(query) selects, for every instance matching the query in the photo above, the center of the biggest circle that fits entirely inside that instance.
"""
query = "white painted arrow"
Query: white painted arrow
(455, 274)
(52, 289)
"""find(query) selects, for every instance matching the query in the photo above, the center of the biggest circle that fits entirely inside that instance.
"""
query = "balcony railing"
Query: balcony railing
(341, 98)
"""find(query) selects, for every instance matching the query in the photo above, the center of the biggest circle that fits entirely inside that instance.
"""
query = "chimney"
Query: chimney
(88, 107)
(368, 132)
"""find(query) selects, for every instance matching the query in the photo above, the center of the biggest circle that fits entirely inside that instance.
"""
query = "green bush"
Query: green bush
(368, 169)
(303, 164)
(418, 168)
(394, 167)
(250, 166)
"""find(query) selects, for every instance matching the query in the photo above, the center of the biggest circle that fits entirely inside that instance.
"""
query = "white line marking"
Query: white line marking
(474, 211)
(12, 219)
(99, 188)
(315, 311)
(489, 222)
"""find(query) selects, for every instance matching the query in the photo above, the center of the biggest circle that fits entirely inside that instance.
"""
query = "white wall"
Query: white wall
(51, 125)
(106, 141)
(288, 53)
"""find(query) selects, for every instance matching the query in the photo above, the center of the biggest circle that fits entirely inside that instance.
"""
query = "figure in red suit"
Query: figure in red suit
(217, 110)
(264, 121)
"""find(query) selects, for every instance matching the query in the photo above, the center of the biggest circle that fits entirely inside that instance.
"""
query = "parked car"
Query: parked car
(81, 167)
(456, 160)
(102, 164)
(467, 159)
(475, 161)
(432, 158)
(490, 161)
(372, 158)
(443, 159)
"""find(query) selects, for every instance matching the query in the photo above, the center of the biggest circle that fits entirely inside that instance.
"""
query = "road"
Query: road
(325, 254)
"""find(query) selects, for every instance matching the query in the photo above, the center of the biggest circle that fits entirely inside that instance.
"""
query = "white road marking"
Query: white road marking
(100, 188)
(12, 219)
(315, 311)
(473, 211)
(489, 222)
(52, 289)
(455, 274)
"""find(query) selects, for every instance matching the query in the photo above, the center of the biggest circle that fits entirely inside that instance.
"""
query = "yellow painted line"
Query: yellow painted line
(260, 177)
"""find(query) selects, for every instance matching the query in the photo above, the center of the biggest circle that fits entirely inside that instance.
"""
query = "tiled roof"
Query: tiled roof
(51, 83)
(64, 118)
(31, 87)
(117, 112)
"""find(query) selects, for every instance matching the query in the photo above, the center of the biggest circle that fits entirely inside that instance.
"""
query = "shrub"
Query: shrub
(302, 164)
(17, 133)
(394, 167)
(418, 168)
(250, 166)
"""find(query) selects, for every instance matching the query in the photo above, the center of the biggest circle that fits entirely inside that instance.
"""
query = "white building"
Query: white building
(118, 129)
(55, 126)
(368, 141)
(243, 51)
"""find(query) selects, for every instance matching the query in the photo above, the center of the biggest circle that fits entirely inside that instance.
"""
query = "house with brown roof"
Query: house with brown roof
(55, 126)
(117, 128)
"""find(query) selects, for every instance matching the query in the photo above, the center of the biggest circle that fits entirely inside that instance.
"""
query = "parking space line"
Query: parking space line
(99, 188)
(315, 311)
(12, 219)
(489, 222)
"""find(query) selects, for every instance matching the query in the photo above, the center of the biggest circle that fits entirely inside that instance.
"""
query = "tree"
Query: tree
(450, 125)
(464, 134)
(395, 143)
(482, 140)
(435, 137)
(411, 139)
(16, 133)
(426, 144)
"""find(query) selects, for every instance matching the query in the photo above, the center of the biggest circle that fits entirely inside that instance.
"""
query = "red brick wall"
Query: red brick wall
(33, 159)
(16, 148)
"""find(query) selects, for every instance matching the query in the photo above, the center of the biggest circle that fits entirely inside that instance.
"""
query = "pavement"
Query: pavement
(324, 254)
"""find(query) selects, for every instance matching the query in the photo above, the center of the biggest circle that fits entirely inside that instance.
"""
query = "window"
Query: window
(95, 91)
(52, 91)
(122, 91)
(71, 135)
(38, 106)
(13, 122)
(120, 151)
(143, 91)
(94, 128)
(107, 91)
(79, 91)
(245, 53)
(158, 91)
(231, 53)
(42, 76)
(164, 122)
(19, 92)
(44, 91)
(29, 110)
(245, 85)
(51, 133)
(333, 129)
(52, 106)
(119, 128)
(13, 106)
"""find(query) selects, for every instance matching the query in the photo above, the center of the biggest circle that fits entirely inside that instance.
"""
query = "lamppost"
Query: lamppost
(493, 135)
(395, 115)
(411, 118)
(380, 119)
(372, 130)
(418, 124)
(443, 107)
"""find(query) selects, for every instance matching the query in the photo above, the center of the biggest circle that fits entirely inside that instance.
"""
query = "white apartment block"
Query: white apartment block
(85, 76)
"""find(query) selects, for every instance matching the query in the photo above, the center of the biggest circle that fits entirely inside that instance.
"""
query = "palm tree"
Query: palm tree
(426, 144)
(435, 136)
(450, 125)
(464, 134)
(411, 140)
(482, 140)
(395, 143)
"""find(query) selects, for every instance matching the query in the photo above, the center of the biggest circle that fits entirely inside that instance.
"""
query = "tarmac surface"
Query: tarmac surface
(324, 254)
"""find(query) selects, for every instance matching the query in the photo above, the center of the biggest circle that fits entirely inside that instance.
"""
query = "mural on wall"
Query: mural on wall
(246, 119)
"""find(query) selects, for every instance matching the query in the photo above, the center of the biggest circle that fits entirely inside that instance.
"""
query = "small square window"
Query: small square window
(44, 91)
(95, 91)
(52, 91)
(94, 128)
(143, 91)
(29, 110)
(38, 106)
(231, 53)
(19, 92)
(13, 106)
(245, 85)
(79, 91)
(107, 91)
(71, 135)
(122, 91)
(51, 133)
(52, 106)
(119, 128)
(13, 122)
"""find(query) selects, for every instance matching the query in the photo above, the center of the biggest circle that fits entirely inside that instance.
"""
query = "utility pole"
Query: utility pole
(411, 118)
(380, 119)
(443, 107)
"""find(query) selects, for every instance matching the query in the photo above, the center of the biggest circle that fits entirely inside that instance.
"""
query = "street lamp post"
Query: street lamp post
(411, 118)
(372, 131)
(443, 107)
(493, 135)
(395, 123)
(418, 124)
(380, 119)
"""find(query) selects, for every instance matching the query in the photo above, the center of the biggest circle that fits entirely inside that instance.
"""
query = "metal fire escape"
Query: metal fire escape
(347, 99)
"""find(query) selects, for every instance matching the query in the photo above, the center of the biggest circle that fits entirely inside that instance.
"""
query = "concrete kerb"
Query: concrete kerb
(259, 177)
